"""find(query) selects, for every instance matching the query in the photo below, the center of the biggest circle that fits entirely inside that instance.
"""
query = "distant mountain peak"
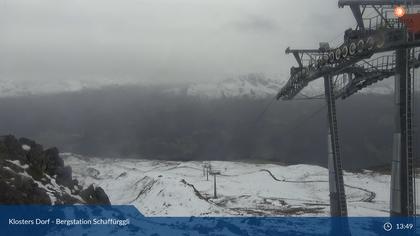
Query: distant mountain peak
(251, 85)
(16, 88)
(257, 85)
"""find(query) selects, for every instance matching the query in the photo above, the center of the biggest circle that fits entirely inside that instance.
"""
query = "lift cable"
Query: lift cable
(262, 113)
(270, 103)
(304, 120)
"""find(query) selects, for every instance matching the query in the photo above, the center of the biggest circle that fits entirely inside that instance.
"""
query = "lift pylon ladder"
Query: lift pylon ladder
(338, 205)
(402, 179)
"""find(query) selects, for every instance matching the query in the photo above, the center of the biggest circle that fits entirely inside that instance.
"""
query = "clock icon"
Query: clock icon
(387, 226)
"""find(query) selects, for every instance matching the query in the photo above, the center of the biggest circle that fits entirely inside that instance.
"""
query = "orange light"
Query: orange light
(399, 11)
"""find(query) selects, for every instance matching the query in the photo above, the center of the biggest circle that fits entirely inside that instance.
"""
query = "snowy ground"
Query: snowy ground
(166, 188)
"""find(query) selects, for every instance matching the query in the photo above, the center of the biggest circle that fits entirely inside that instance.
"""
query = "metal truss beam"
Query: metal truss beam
(357, 13)
(342, 3)
(301, 76)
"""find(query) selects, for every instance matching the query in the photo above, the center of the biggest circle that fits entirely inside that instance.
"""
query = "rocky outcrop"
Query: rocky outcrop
(54, 161)
(94, 195)
(31, 175)
(19, 189)
(11, 149)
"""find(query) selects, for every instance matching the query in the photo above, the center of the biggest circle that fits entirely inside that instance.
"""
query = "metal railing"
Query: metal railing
(384, 63)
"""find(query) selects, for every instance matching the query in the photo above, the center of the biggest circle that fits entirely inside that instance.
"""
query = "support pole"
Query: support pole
(338, 205)
(402, 176)
(214, 185)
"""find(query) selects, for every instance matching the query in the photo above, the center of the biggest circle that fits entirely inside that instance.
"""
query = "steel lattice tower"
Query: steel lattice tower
(379, 47)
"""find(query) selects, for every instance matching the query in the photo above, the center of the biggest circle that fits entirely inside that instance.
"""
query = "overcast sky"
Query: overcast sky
(160, 40)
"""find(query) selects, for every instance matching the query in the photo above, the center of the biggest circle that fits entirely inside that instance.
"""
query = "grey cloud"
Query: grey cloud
(159, 40)
(257, 23)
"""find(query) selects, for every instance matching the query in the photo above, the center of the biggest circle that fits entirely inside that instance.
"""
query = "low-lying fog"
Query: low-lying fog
(147, 122)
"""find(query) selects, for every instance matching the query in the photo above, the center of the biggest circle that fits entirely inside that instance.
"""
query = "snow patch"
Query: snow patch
(26, 147)
(16, 162)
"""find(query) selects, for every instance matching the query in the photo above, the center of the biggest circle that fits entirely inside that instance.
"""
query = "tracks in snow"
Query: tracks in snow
(145, 188)
(371, 195)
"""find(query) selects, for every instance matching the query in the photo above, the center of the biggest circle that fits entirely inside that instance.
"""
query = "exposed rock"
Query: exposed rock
(31, 175)
(64, 176)
(92, 172)
(35, 156)
(95, 195)
(11, 149)
(54, 161)
(19, 189)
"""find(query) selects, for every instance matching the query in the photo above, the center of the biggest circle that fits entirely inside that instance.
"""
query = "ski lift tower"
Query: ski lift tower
(403, 167)
(214, 173)
(379, 47)
(206, 170)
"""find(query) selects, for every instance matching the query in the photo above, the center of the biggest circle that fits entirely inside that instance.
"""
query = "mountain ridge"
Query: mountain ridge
(252, 85)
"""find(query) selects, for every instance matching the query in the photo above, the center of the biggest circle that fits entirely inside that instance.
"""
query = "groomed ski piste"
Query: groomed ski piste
(172, 188)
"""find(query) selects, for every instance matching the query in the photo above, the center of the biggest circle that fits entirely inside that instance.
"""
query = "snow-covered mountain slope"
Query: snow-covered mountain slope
(251, 85)
(11, 88)
(163, 188)
(258, 86)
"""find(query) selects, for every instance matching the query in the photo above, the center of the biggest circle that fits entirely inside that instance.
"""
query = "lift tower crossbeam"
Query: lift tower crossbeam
(342, 3)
